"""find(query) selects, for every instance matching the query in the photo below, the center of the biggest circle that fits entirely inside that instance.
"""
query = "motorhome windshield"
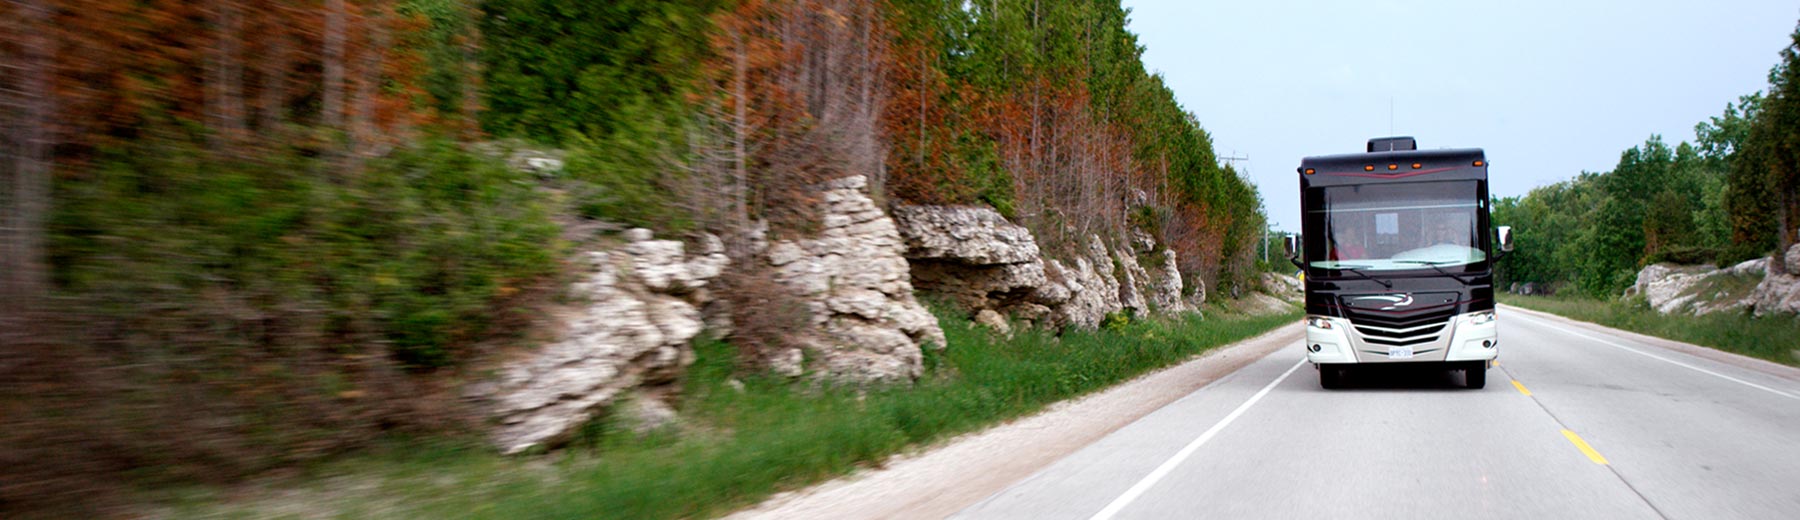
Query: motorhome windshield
(1395, 226)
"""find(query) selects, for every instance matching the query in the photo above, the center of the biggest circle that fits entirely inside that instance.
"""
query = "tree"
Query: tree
(27, 165)
(1771, 159)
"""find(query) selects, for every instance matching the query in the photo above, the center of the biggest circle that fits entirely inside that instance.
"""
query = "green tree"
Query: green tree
(1770, 158)
(594, 68)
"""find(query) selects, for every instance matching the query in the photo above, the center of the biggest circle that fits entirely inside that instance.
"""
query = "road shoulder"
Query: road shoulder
(1737, 360)
(940, 480)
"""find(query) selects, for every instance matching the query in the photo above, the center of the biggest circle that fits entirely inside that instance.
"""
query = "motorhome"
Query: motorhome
(1398, 260)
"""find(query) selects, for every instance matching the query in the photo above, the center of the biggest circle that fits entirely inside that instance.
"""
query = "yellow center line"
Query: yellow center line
(1583, 446)
(1521, 387)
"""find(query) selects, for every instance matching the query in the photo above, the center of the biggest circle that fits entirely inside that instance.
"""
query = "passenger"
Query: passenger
(1347, 239)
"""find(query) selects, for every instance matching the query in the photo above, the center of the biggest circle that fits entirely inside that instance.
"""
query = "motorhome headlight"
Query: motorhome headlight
(1318, 323)
(1481, 318)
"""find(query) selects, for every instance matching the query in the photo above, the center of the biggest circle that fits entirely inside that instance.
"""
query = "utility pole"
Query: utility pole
(1265, 242)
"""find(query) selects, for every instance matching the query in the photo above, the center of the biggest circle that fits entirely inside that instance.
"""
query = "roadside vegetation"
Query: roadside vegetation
(1770, 338)
(742, 438)
(251, 235)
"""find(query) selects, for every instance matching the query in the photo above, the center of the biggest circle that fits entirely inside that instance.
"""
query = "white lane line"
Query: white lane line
(1186, 451)
(1658, 358)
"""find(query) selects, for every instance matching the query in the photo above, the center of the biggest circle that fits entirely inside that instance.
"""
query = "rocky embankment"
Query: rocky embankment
(639, 312)
(641, 305)
(994, 268)
(866, 327)
(1700, 290)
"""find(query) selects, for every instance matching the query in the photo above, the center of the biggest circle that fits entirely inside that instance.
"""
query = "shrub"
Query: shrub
(216, 316)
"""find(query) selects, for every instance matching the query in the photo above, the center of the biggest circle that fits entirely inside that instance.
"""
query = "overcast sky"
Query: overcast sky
(1548, 88)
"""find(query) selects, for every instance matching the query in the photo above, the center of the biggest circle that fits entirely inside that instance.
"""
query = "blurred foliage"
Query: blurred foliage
(420, 249)
(266, 230)
(611, 81)
(743, 439)
(617, 180)
(555, 69)
(213, 317)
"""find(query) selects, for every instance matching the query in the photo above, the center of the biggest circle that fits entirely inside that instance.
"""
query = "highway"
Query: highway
(1577, 421)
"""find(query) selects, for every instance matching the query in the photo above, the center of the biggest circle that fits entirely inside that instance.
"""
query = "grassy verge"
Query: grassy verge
(736, 446)
(1770, 338)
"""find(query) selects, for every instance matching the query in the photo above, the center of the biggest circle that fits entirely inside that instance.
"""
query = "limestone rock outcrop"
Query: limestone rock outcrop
(639, 311)
(1698, 290)
(983, 262)
(964, 234)
(978, 259)
(1094, 291)
(867, 327)
(1166, 286)
(1780, 293)
(1285, 287)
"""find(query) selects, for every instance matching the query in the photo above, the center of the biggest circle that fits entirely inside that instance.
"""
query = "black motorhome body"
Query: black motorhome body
(1398, 259)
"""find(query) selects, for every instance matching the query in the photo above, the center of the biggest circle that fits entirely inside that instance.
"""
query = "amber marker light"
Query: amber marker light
(1479, 163)
(1310, 171)
(1417, 166)
(1393, 167)
(1369, 168)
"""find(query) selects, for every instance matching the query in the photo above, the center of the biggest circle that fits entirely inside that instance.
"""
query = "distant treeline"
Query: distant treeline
(1727, 197)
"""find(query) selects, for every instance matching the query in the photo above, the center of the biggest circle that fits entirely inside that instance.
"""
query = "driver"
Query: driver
(1440, 231)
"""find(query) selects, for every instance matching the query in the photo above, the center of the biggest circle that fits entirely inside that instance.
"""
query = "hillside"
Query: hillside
(244, 236)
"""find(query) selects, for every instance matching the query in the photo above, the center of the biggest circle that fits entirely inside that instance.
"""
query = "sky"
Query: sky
(1549, 88)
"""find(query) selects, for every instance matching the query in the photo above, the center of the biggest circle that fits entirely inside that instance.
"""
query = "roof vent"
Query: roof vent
(1392, 144)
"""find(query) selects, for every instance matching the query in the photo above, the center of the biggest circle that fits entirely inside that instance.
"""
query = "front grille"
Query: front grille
(1401, 329)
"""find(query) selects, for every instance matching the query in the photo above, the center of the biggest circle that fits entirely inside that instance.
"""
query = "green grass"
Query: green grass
(1770, 338)
(736, 447)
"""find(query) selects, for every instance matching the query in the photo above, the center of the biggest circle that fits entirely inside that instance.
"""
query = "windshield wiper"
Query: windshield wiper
(1436, 267)
(1384, 283)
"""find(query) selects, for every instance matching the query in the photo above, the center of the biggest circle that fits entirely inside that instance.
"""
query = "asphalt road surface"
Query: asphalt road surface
(1576, 421)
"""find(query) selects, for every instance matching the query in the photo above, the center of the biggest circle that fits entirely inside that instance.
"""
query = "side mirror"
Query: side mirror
(1506, 241)
(1290, 244)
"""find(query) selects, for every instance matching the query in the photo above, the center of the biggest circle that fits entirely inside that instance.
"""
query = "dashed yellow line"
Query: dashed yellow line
(1585, 449)
(1521, 387)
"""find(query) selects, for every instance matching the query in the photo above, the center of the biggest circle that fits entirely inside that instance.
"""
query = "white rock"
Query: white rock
(1697, 290)
(962, 234)
(1167, 285)
(659, 264)
(994, 321)
(1756, 267)
(1094, 292)
(1777, 294)
(639, 315)
(644, 414)
(1134, 283)
(856, 286)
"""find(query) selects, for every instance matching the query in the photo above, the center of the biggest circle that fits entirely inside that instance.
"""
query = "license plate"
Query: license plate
(1399, 352)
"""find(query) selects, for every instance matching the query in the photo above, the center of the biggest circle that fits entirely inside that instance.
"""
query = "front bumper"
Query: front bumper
(1341, 342)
